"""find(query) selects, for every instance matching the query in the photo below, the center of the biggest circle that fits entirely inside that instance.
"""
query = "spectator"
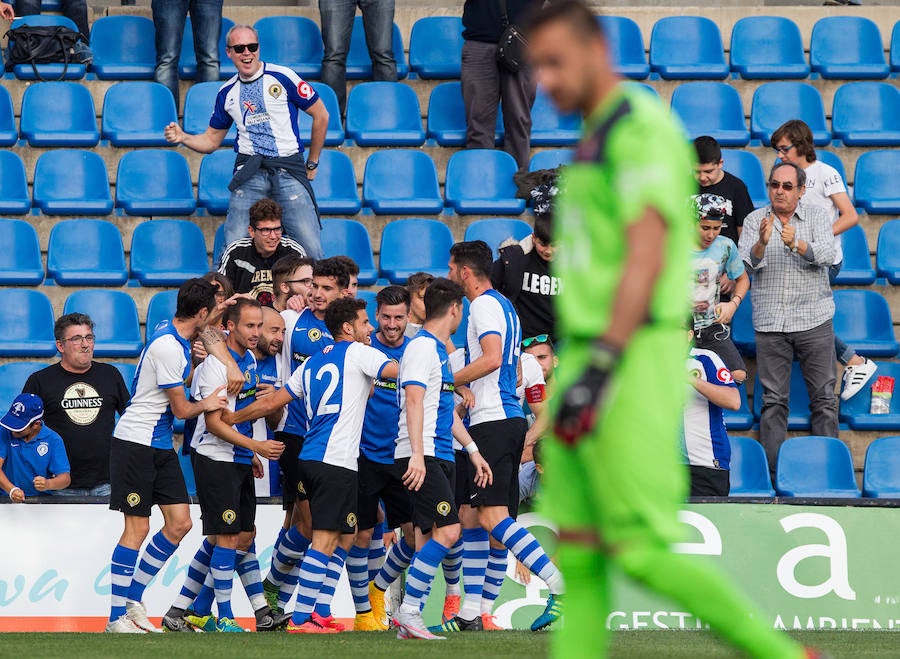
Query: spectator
(416, 285)
(793, 142)
(269, 160)
(337, 26)
(80, 400)
(485, 81)
(206, 23)
(292, 278)
(715, 180)
(32, 457)
(247, 262)
(74, 10)
(224, 289)
(788, 248)
(717, 258)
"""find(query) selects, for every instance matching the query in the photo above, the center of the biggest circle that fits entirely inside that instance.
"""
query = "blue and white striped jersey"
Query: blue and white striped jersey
(705, 438)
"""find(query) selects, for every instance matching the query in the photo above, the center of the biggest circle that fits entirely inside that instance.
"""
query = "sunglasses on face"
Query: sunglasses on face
(240, 47)
(531, 340)
(787, 186)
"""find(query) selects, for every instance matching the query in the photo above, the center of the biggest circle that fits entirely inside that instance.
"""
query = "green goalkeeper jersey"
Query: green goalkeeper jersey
(632, 156)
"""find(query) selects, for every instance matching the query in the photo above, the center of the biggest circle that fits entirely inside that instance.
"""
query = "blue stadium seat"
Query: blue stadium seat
(895, 47)
(711, 108)
(815, 467)
(359, 64)
(767, 48)
(435, 47)
(167, 252)
(127, 371)
(847, 47)
(334, 136)
(410, 246)
(867, 114)
(881, 474)
(20, 259)
(798, 400)
(86, 252)
(218, 246)
(855, 411)
(496, 230)
(741, 419)
(747, 167)
(857, 269)
(480, 181)
(115, 317)
(71, 182)
(216, 170)
(26, 324)
(875, 182)
(626, 46)
(335, 184)
(447, 116)
(401, 182)
(161, 307)
(292, 41)
(384, 114)
(887, 252)
(9, 134)
(123, 47)
(187, 61)
(14, 197)
(136, 113)
(59, 114)
(350, 238)
(749, 469)
(13, 377)
(777, 102)
(154, 182)
(549, 127)
(550, 158)
(371, 305)
(742, 334)
(198, 108)
(687, 48)
(863, 320)
(73, 71)
(459, 337)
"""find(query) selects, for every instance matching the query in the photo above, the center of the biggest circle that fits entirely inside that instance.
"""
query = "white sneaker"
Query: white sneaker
(123, 625)
(856, 377)
(411, 625)
(138, 615)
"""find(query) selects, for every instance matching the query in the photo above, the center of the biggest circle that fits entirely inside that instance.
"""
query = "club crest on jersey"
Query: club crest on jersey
(229, 516)
(443, 508)
(248, 377)
(351, 519)
(695, 373)
(133, 499)
(300, 488)
(43, 449)
(314, 334)
(275, 91)
(724, 376)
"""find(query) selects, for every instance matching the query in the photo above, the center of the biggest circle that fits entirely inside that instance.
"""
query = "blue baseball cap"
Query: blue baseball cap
(25, 410)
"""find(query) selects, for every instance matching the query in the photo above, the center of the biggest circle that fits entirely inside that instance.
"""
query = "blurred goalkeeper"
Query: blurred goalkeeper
(613, 478)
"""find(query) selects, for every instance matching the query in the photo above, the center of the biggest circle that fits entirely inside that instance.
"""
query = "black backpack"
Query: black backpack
(42, 44)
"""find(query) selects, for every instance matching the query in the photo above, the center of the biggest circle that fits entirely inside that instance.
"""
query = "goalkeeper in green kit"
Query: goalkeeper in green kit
(614, 477)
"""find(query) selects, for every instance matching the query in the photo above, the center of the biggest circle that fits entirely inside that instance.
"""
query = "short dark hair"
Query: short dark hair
(417, 281)
(574, 12)
(195, 294)
(333, 267)
(543, 227)
(65, 322)
(391, 295)
(475, 255)
(264, 209)
(349, 264)
(440, 295)
(234, 311)
(799, 135)
(286, 266)
(801, 175)
(343, 310)
(708, 150)
(214, 278)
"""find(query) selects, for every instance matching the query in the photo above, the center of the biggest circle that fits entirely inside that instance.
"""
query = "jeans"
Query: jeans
(337, 26)
(101, 490)
(206, 20)
(844, 352)
(299, 213)
(74, 10)
(775, 352)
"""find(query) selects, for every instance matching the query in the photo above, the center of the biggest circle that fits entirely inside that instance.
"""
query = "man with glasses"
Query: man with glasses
(263, 101)
(81, 399)
(788, 248)
(248, 262)
(292, 282)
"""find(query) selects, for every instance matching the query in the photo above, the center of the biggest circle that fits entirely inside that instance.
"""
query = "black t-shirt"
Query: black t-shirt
(250, 272)
(82, 408)
(482, 20)
(734, 191)
(534, 300)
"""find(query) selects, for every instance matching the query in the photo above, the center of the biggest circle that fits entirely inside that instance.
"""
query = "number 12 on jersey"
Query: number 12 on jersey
(320, 392)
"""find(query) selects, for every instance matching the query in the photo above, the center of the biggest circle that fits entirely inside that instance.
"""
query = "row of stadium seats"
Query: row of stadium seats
(681, 48)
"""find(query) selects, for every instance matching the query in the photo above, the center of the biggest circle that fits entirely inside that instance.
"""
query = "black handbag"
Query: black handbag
(512, 44)
(42, 44)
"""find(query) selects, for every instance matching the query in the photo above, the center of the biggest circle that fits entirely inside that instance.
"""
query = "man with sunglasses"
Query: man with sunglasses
(263, 101)
(788, 247)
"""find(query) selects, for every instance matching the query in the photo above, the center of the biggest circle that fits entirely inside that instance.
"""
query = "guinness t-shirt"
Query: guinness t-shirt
(82, 408)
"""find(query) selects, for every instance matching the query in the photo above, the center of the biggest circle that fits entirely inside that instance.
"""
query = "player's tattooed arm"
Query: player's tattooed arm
(214, 343)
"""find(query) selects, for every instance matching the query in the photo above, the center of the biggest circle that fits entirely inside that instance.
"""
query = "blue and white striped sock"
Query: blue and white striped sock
(290, 552)
(421, 575)
(286, 591)
(493, 578)
(332, 575)
(525, 547)
(358, 575)
(398, 559)
(205, 598)
(155, 556)
(312, 574)
(277, 545)
(198, 568)
(121, 572)
(452, 566)
(248, 570)
(476, 548)
(221, 565)
(377, 551)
